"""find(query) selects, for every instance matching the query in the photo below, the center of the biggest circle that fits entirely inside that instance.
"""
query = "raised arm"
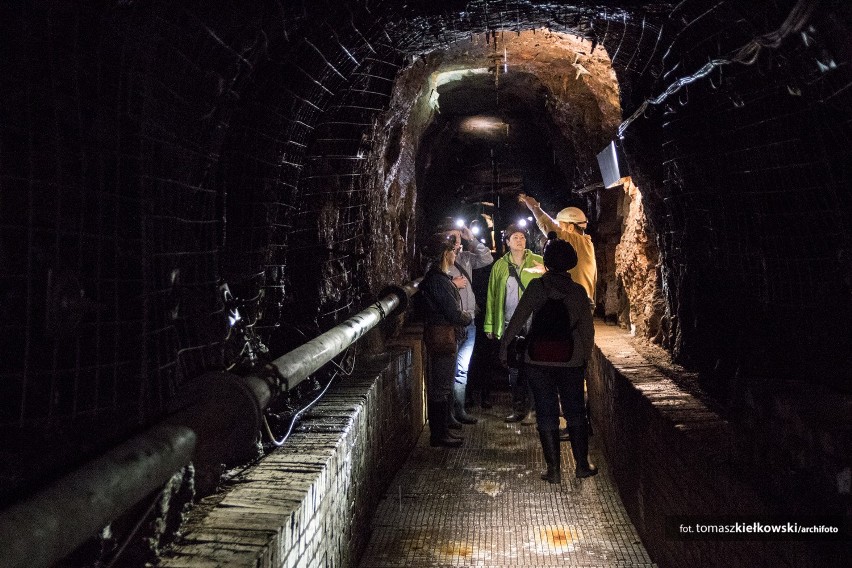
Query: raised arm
(544, 221)
(480, 255)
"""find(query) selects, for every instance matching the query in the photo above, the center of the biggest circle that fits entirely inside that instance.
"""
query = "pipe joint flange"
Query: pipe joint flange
(401, 293)
(270, 374)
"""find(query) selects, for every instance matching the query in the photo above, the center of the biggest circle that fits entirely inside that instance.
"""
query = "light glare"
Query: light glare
(481, 125)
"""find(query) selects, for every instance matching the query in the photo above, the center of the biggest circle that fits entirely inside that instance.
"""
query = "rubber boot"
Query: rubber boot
(452, 423)
(579, 430)
(439, 412)
(456, 439)
(459, 412)
(520, 400)
(453, 432)
(552, 456)
(589, 420)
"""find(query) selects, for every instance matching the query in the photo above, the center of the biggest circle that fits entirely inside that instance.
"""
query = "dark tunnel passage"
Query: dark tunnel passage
(191, 188)
(486, 145)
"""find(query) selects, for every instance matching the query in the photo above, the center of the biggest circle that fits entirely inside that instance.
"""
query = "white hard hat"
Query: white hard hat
(572, 215)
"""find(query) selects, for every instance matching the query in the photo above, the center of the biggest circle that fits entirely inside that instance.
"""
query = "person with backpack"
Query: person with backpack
(570, 225)
(558, 348)
(510, 276)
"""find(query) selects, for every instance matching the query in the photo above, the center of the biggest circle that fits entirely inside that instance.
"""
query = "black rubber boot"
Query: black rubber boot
(579, 429)
(453, 426)
(452, 423)
(589, 420)
(439, 413)
(459, 413)
(520, 400)
(552, 455)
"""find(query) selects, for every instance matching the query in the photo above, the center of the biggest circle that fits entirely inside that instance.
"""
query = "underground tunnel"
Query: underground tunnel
(213, 227)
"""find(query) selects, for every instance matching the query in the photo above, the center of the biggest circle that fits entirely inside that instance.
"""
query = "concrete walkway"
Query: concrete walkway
(484, 505)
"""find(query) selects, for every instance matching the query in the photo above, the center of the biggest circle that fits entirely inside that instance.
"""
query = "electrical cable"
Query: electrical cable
(344, 372)
(340, 371)
(745, 55)
(279, 443)
(133, 531)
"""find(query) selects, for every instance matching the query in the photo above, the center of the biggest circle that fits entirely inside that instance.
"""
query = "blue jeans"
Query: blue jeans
(552, 385)
(464, 354)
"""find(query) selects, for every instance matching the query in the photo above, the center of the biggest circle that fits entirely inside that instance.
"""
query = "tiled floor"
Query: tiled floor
(484, 505)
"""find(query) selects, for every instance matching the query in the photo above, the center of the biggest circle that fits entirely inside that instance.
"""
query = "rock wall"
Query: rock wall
(636, 264)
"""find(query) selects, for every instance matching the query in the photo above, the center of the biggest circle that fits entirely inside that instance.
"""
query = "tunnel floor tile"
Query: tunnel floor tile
(483, 505)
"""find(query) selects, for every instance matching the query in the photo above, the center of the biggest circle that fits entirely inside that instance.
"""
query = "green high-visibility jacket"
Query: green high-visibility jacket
(496, 301)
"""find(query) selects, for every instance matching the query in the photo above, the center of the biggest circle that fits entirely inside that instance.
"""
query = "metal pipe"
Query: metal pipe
(297, 365)
(41, 530)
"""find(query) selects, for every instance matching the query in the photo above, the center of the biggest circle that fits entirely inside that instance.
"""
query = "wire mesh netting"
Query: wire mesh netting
(149, 154)
(755, 142)
(157, 155)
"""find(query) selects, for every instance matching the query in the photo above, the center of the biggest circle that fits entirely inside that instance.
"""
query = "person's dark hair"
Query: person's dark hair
(559, 256)
(511, 230)
(436, 245)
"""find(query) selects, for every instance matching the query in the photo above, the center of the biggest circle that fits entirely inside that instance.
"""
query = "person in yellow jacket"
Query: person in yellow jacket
(510, 275)
(570, 226)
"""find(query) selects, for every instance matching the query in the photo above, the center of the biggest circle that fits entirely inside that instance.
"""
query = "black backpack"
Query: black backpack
(551, 335)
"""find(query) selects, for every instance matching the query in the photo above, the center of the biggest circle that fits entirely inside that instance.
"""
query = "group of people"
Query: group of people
(547, 299)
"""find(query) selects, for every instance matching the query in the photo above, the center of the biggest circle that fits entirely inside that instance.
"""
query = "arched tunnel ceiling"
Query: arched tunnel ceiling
(518, 94)
(765, 61)
(517, 112)
(424, 26)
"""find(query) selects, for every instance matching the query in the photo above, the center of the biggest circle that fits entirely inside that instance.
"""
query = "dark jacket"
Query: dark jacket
(442, 303)
(558, 286)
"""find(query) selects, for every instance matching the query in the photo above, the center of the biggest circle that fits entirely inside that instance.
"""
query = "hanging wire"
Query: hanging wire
(282, 441)
(133, 531)
(340, 371)
(638, 43)
(745, 55)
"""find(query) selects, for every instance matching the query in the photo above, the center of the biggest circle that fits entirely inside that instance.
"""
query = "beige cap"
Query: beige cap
(572, 215)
